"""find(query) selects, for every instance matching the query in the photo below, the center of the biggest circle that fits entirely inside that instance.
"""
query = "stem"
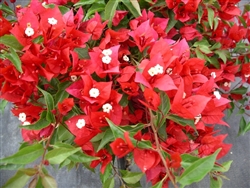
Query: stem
(47, 144)
(158, 149)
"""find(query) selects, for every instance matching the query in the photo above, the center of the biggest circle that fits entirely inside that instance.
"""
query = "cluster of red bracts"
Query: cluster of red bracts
(112, 72)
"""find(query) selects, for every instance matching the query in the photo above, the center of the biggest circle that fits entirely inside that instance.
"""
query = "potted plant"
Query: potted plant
(142, 82)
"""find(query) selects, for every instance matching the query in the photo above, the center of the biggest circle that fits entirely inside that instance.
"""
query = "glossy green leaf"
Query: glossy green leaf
(131, 8)
(48, 99)
(107, 137)
(19, 180)
(197, 170)
(210, 17)
(136, 5)
(25, 155)
(63, 134)
(14, 58)
(205, 49)
(109, 12)
(58, 155)
(48, 182)
(11, 41)
(40, 124)
(244, 126)
(241, 90)
(131, 177)
(109, 183)
(215, 182)
(165, 103)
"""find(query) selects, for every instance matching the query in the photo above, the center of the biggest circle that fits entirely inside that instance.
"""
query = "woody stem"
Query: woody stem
(159, 149)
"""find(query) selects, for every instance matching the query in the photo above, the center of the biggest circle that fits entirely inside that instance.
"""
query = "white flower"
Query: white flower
(125, 58)
(22, 117)
(217, 94)
(106, 59)
(152, 71)
(73, 78)
(169, 71)
(26, 123)
(197, 119)
(52, 21)
(80, 123)
(107, 107)
(247, 75)
(107, 52)
(227, 84)
(184, 95)
(94, 92)
(213, 74)
(29, 31)
(159, 69)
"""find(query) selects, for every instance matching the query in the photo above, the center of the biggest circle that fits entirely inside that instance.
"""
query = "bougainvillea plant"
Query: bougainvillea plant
(93, 81)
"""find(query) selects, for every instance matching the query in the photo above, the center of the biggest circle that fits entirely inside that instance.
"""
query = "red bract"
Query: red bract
(119, 15)
(146, 159)
(144, 35)
(120, 147)
(5, 25)
(105, 159)
(152, 99)
(66, 105)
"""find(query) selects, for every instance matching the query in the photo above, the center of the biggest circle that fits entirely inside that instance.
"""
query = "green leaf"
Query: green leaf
(181, 120)
(241, 90)
(83, 53)
(117, 131)
(131, 8)
(197, 170)
(63, 9)
(131, 177)
(63, 134)
(48, 182)
(158, 185)
(11, 166)
(38, 40)
(222, 54)
(48, 99)
(97, 7)
(14, 58)
(40, 124)
(18, 180)
(224, 167)
(11, 41)
(124, 100)
(210, 17)
(109, 183)
(205, 49)
(187, 160)
(165, 103)
(136, 5)
(107, 173)
(200, 13)
(244, 126)
(109, 12)
(84, 2)
(172, 21)
(58, 155)
(3, 104)
(25, 155)
(107, 137)
(80, 157)
(6, 9)
(215, 182)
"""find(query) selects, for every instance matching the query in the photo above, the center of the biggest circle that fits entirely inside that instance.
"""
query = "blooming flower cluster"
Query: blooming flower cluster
(145, 85)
